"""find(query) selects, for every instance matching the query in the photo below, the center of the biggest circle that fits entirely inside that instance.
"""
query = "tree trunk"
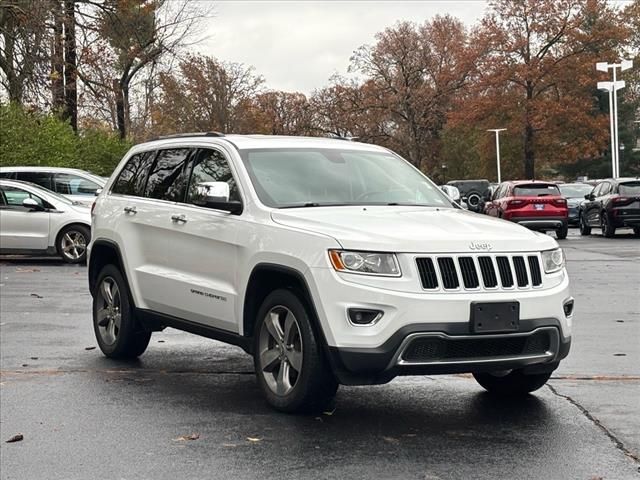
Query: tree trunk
(70, 70)
(16, 89)
(57, 59)
(120, 116)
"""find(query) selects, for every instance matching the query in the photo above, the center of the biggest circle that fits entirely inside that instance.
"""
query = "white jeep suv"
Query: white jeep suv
(331, 262)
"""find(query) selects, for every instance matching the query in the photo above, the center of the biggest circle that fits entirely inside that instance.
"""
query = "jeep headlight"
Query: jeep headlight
(553, 260)
(367, 263)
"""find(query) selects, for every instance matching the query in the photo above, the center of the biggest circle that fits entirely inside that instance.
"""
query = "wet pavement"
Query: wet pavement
(84, 416)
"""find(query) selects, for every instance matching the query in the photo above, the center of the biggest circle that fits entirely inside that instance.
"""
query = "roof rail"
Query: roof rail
(340, 137)
(185, 135)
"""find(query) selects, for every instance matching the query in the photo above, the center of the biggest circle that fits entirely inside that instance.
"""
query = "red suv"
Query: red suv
(533, 204)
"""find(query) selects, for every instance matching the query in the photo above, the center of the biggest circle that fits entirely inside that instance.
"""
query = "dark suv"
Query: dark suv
(612, 204)
(473, 192)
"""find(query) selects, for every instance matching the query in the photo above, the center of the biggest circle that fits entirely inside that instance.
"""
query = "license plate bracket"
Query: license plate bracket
(538, 206)
(494, 317)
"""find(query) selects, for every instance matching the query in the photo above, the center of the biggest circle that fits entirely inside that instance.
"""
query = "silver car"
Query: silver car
(34, 220)
(77, 185)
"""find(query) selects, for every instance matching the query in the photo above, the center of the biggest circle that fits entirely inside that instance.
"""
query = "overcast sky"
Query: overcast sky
(298, 45)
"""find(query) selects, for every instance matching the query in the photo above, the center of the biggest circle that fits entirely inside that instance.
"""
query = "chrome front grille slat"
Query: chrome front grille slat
(479, 271)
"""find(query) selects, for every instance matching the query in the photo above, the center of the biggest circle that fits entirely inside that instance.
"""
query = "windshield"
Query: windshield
(629, 188)
(536, 190)
(575, 190)
(285, 178)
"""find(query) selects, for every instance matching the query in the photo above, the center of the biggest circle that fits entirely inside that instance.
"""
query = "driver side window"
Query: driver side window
(210, 166)
(15, 196)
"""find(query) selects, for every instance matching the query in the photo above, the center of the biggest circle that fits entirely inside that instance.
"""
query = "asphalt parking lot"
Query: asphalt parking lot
(190, 407)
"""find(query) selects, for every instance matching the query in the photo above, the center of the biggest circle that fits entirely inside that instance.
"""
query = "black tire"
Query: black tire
(314, 385)
(513, 384)
(562, 232)
(585, 229)
(608, 230)
(124, 340)
(72, 243)
(636, 231)
(475, 201)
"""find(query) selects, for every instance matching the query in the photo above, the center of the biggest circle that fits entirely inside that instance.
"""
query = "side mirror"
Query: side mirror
(452, 192)
(589, 196)
(31, 204)
(98, 192)
(216, 195)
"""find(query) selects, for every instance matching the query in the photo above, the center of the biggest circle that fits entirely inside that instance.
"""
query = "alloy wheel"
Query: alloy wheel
(280, 350)
(109, 314)
(74, 245)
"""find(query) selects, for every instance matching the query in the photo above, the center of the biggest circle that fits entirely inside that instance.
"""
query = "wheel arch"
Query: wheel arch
(104, 252)
(264, 279)
(62, 228)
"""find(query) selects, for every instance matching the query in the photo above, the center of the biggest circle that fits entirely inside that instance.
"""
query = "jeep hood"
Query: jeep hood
(413, 229)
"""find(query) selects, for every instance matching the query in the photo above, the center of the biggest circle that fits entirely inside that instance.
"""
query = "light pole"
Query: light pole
(608, 86)
(613, 109)
(497, 132)
(621, 157)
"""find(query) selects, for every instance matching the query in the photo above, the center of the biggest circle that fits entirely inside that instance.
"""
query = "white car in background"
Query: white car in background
(77, 185)
(34, 220)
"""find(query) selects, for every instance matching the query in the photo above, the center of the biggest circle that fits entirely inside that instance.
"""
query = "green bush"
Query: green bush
(34, 138)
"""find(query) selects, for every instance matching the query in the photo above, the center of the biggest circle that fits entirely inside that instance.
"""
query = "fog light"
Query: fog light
(363, 316)
(568, 308)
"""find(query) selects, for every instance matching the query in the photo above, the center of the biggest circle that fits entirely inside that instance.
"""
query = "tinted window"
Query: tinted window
(211, 166)
(67, 184)
(11, 175)
(536, 190)
(167, 179)
(575, 190)
(39, 178)
(629, 188)
(132, 177)
(605, 188)
(15, 196)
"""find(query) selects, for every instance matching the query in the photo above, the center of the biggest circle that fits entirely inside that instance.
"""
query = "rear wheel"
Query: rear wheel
(585, 229)
(117, 331)
(72, 242)
(290, 366)
(636, 231)
(562, 232)
(608, 230)
(513, 383)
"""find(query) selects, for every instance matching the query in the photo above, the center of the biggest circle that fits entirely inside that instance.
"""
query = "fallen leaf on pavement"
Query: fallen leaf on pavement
(184, 438)
(36, 295)
(329, 413)
(26, 270)
(16, 438)
(33, 358)
(160, 341)
(391, 440)
(253, 439)
(229, 445)
(89, 348)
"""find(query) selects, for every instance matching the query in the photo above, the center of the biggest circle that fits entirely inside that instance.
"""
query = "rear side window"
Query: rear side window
(167, 179)
(211, 166)
(11, 175)
(68, 184)
(132, 177)
(629, 188)
(536, 190)
(39, 178)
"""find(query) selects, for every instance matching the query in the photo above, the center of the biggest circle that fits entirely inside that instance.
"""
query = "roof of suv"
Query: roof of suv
(243, 142)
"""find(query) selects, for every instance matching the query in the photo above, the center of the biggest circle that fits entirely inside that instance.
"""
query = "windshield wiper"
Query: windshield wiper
(315, 204)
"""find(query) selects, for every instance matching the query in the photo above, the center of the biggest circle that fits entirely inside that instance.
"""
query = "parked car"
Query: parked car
(34, 220)
(533, 204)
(473, 192)
(574, 193)
(76, 185)
(329, 261)
(612, 204)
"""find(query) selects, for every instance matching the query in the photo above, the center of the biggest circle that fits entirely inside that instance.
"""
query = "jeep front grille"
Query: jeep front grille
(479, 272)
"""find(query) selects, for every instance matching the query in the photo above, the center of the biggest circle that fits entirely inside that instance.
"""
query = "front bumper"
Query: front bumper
(428, 349)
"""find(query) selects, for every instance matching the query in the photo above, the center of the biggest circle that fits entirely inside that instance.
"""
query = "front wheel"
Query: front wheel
(636, 231)
(117, 331)
(608, 230)
(562, 232)
(290, 366)
(512, 384)
(585, 229)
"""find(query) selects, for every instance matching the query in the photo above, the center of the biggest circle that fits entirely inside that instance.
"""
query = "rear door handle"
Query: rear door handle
(178, 218)
(130, 210)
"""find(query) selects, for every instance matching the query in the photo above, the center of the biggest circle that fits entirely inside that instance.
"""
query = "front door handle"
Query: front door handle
(178, 218)
(131, 210)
